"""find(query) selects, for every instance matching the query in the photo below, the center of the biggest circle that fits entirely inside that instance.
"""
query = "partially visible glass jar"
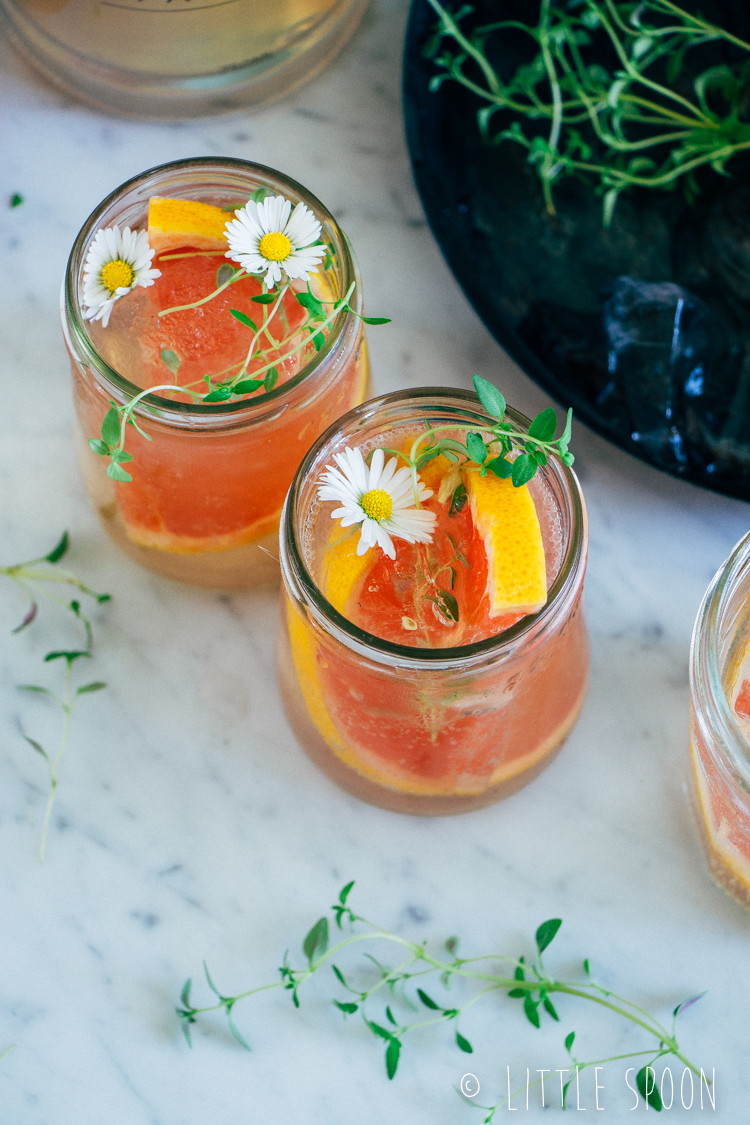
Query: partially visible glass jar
(431, 730)
(179, 58)
(719, 755)
(204, 503)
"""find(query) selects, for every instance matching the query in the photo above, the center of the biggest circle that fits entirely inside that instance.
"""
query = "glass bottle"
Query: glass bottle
(179, 58)
(431, 730)
(204, 503)
(719, 755)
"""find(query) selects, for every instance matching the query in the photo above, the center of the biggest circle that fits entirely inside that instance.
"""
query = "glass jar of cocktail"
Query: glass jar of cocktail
(230, 292)
(179, 58)
(720, 724)
(432, 651)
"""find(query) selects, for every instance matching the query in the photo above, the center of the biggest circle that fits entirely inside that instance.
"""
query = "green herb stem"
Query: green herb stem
(689, 133)
(530, 982)
(204, 300)
(32, 578)
(54, 766)
(266, 320)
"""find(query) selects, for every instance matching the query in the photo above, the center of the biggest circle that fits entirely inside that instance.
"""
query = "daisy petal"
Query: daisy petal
(385, 541)
(376, 469)
(303, 228)
(273, 213)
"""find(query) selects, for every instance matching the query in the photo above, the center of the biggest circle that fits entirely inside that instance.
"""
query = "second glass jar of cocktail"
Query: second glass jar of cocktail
(377, 698)
(232, 292)
(720, 724)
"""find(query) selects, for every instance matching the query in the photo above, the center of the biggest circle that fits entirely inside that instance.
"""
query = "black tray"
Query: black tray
(644, 329)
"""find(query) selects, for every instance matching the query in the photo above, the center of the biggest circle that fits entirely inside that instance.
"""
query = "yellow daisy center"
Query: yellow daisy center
(377, 504)
(117, 275)
(274, 247)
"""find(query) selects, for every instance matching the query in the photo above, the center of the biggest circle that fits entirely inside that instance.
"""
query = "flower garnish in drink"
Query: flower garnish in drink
(214, 335)
(433, 650)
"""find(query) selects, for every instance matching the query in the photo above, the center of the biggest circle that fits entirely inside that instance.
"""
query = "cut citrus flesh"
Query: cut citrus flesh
(739, 693)
(401, 600)
(725, 831)
(722, 810)
(174, 223)
(156, 535)
(395, 602)
(506, 519)
(343, 569)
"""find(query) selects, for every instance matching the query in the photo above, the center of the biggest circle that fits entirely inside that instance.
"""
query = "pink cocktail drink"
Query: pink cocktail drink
(403, 680)
(247, 368)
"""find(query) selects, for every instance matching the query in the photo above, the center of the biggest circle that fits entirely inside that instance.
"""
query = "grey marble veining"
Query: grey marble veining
(190, 825)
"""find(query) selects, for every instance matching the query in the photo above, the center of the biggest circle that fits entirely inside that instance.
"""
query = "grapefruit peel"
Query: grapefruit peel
(507, 521)
(173, 223)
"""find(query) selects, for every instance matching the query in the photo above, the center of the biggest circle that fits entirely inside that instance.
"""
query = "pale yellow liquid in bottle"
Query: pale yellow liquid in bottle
(180, 37)
(179, 58)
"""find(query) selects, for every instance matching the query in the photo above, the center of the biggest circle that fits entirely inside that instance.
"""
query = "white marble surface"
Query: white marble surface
(189, 824)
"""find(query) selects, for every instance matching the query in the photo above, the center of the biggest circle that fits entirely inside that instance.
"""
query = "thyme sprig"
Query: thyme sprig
(34, 578)
(314, 329)
(617, 127)
(490, 450)
(400, 990)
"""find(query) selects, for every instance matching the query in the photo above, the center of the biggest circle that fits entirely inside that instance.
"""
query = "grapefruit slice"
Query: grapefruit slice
(506, 519)
(160, 538)
(343, 570)
(185, 222)
(739, 695)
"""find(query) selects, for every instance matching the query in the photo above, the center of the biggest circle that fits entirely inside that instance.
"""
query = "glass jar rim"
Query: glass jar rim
(705, 670)
(83, 346)
(564, 585)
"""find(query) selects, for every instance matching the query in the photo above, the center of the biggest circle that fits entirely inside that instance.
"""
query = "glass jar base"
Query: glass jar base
(127, 93)
(413, 804)
(237, 568)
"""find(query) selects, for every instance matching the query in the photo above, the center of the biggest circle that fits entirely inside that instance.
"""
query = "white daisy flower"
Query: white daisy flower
(380, 498)
(264, 238)
(116, 263)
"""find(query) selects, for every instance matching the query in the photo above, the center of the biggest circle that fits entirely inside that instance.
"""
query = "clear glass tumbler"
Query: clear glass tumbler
(430, 730)
(204, 503)
(719, 755)
(179, 58)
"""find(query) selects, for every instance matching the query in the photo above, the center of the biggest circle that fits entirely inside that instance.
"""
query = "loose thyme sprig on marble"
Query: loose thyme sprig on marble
(526, 980)
(34, 578)
(604, 124)
(270, 242)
